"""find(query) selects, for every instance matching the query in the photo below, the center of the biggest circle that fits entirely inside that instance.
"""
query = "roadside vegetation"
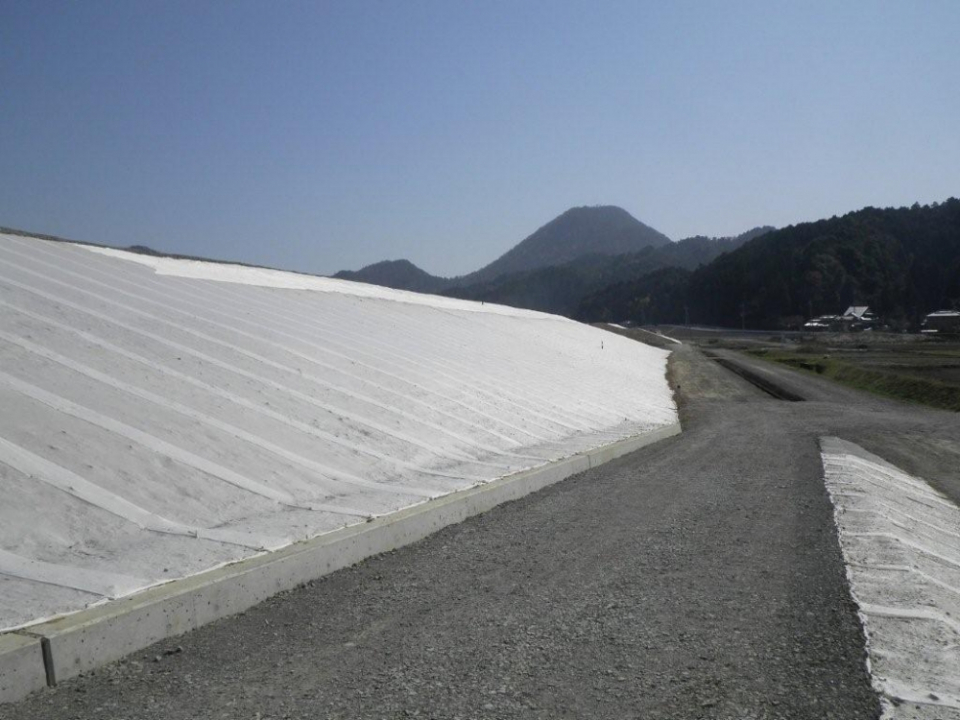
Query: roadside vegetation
(926, 373)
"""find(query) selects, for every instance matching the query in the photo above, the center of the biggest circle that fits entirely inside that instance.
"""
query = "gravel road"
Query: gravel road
(696, 578)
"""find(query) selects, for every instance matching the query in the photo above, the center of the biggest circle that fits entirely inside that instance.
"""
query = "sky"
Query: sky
(320, 136)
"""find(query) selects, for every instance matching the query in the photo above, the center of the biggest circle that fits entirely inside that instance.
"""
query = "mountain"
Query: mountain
(560, 289)
(582, 231)
(398, 274)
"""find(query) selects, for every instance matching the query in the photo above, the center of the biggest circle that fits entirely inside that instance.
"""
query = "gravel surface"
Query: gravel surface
(697, 578)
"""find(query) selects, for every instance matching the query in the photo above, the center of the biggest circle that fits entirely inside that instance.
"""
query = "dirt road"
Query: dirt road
(700, 577)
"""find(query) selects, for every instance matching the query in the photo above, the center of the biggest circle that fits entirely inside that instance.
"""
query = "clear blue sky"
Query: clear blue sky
(327, 135)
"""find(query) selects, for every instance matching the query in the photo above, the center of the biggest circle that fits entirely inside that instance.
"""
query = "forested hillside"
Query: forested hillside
(902, 262)
(561, 289)
(654, 298)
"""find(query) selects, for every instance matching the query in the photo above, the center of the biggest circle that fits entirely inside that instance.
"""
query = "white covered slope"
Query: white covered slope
(901, 541)
(160, 417)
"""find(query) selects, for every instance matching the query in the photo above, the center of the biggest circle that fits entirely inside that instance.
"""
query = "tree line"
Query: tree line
(902, 262)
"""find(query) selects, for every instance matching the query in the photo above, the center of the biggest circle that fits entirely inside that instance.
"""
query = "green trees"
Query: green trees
(901, 262)
(654, 298)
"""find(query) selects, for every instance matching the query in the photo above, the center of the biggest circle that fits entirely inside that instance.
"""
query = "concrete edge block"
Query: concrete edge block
(21, 666)
(88, 639)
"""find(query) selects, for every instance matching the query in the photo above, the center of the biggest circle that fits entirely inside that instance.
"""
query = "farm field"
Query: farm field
(924, 370)
(915, 368)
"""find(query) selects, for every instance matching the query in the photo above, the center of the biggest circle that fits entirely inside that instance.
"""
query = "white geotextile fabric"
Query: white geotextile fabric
(901, 542)
(160, 417)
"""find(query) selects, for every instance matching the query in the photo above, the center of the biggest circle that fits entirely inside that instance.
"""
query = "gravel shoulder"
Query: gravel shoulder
(699, 577)
(922, 441)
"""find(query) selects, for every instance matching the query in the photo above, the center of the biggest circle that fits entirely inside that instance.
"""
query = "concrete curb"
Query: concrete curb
(21, 666)
(53, 651)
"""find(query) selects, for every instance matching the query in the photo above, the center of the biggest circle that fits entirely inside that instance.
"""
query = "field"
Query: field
(913, 368)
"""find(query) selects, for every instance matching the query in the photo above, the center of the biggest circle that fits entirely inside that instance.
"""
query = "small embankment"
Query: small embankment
(165, 418)
(763, 383)
(899, 539)
(891, 384)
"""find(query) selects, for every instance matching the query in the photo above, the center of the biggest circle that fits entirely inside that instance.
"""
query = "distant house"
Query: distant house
(858, 312)
(855, 319)
(942, 322)
(858, 317)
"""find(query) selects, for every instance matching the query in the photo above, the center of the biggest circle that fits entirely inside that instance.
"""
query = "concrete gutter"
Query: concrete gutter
(50, 652)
